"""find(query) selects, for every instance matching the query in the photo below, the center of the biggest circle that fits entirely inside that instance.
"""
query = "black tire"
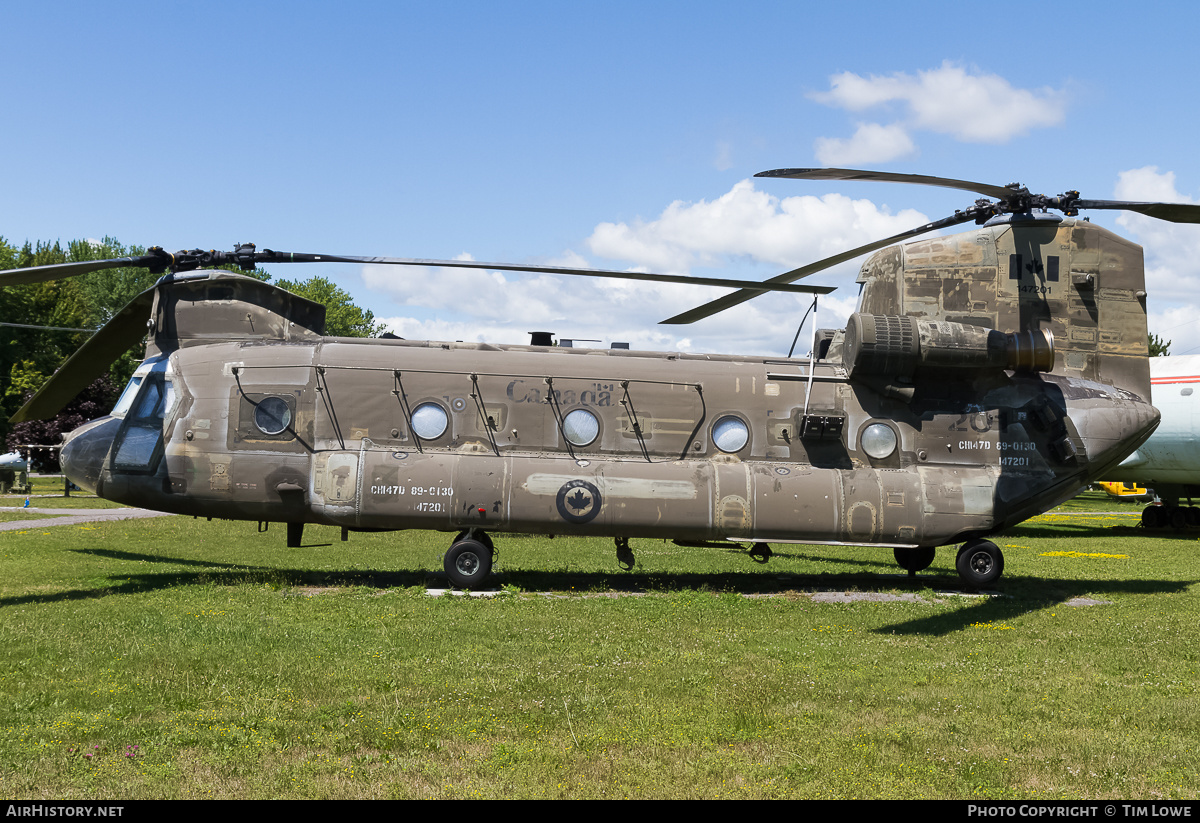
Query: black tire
(914, 560)
(468, 564)
(980, 563)
(1154, 517)
(1178, 517)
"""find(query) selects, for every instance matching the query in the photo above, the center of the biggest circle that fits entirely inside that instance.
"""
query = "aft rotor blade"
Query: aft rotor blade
(92, 359)
(1173, 212)
(998, 192)
(269, 256)
(731, 300)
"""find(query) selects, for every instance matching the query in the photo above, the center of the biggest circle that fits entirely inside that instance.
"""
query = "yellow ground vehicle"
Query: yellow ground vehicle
(1128, 491)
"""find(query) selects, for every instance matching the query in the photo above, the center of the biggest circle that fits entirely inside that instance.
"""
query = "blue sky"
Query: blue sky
(605, 134)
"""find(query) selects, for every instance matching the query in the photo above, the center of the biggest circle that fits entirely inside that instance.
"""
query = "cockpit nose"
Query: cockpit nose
(85, 450)
(1112, 430)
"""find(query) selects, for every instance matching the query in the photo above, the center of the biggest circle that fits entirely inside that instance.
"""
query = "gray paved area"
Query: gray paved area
(73, 517)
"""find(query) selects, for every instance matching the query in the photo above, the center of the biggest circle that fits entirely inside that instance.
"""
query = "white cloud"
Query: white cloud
(1177, 325)
(724, 157)
(1172, 257)
(765, 326)
(745, 234)
(1172, 249)
(871, 143)
(746, 222)
(974, 108)
(1148, 184)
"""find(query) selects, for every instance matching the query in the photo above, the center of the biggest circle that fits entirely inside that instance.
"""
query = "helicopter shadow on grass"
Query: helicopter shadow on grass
(565, 580)
(762, 580)
(1073, 530)
(1022, 595)
(1019, 595)
(220, 574)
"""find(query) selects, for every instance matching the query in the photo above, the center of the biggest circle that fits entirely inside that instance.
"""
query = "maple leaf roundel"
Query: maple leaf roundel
(578, 501)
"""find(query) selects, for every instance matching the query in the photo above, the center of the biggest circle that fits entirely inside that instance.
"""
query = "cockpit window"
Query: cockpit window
(156, 402)
(149, 403)
(147, 400)
(127, 396)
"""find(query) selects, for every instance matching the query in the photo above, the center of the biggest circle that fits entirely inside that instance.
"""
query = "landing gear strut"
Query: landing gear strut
(760, 552)
(468, 562)
(625, 558)
(914, 560)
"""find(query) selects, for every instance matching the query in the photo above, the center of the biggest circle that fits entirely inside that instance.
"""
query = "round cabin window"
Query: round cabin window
(878, 440)
(429, 421)
(730, 434)
(272, 415)
(580, 427)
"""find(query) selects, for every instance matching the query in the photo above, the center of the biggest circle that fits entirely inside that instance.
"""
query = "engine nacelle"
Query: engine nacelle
(897, 346)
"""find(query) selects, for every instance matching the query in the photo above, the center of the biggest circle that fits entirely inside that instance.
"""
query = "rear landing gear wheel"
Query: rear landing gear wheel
(1178, 517)
(914, 560)
(468, 563)
(1154, 517)
(980, 563)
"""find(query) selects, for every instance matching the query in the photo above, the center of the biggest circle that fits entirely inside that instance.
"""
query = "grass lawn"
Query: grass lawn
(179, 658)
(48, 492)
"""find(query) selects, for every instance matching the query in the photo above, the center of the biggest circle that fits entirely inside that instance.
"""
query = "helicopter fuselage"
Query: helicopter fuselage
(987, 376)
(391, 434)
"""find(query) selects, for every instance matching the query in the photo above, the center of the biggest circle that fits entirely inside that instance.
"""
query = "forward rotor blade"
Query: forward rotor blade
(245, 257)
(92, 359)
(56, 271)
(1173, 212)
(731, 300)
(998, 192)
(269, 256)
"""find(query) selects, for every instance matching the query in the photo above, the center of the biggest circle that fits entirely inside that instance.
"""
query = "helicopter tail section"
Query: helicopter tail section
(1103, 329)
(1076, 282)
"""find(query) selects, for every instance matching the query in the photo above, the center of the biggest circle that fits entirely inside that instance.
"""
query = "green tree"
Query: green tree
(108, 291)
(1157, 347)
(342, 317)
(28, 356)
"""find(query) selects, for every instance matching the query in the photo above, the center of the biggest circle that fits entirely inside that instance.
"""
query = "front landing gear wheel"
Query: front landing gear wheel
(468, 563)
(914, 560)
(980, 563)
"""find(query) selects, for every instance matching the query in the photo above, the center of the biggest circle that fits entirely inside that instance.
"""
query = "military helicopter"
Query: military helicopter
(986, 377)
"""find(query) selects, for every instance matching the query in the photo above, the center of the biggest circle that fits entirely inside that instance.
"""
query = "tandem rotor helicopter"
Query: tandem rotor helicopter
(986, 377)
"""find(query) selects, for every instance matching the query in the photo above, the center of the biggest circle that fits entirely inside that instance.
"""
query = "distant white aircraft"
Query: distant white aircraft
(13, 461)
(1169, 462)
